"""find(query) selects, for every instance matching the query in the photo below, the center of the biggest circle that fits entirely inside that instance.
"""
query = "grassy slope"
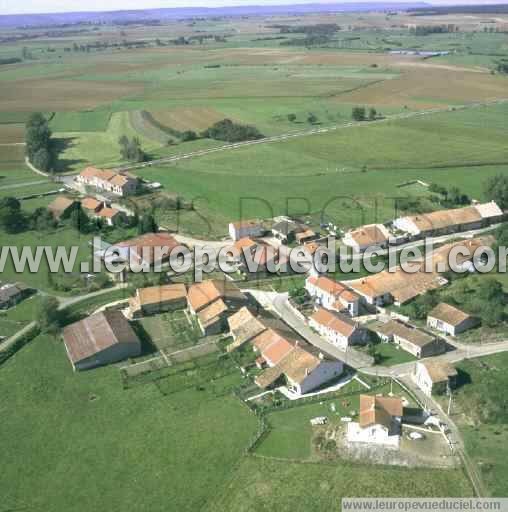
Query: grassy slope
(258, 483)
(125, 450)
(17, 317)
(61, 237)
(99, 148)
(486, 443)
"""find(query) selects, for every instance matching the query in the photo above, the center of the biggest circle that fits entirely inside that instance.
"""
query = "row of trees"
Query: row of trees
(361, 114)
(502, 66)
(130, 149)
(424, 30)
(452, 196)
(39, 146)
(496, 189)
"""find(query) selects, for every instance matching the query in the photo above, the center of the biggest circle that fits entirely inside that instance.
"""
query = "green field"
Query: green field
(260, 485)
(176, 438)
(350, 199)
(86, 430)
(391, 354)
(17, 317)
(87, 121)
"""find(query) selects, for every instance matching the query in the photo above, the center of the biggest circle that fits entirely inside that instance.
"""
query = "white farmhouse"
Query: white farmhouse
(245, 229)
(303, 369)
(434, 377)
(380, 422)
(333, 295)
(450, 221)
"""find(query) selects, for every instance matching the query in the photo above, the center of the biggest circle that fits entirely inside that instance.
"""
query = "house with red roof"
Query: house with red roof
(333, 295)
(338, 328)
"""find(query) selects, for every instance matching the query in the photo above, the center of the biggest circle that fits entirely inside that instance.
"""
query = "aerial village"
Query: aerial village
(298, 346)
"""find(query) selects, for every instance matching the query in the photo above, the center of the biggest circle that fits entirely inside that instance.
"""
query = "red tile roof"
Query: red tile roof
(334, 321)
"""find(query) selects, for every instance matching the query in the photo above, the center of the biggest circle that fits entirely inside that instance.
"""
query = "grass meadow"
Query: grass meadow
(132, 449)
(485, 438)
(259, 485)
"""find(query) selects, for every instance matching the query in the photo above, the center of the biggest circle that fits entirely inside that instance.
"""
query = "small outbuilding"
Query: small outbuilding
(62, 207)
(450, 320)
(435, 377)
(415, 341)
(158, 299)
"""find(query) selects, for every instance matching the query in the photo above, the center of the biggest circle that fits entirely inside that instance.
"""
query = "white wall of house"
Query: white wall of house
(326, 371)
(375, 434)
(451, 330)
(327, 300)
(415, 350)
(422, 379)
(358, 336)
(236, 233)
(407, 225)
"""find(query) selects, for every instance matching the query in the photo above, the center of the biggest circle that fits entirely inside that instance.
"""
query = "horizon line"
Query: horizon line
(254, 5)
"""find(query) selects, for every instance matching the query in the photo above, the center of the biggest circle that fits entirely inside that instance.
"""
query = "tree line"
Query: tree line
(361, 114)
(40, 149)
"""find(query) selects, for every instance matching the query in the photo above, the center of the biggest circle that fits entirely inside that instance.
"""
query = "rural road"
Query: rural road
(304, 133)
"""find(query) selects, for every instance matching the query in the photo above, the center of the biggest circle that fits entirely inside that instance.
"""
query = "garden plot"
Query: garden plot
(171, 332)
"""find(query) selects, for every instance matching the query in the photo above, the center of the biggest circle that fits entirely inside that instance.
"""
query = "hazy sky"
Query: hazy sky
(33, 6)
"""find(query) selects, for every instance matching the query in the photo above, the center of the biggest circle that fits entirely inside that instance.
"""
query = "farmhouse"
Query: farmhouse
(285, 231)
(372, 235)
(62, 207)
(245, 228)
(450, 320)
(12, 294)
(100, 339)
(262, 258)
(337, 328)
(434, 377)
(380, 422)
(157, 299)
(245, 325)
(333, 295)
(396, 287)
(450, 221)
(149, 249)
(303, 370)
(111, 216)
(91, 205)
(412, 340)
(212, 302)
(287, 356)
(108, 181)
